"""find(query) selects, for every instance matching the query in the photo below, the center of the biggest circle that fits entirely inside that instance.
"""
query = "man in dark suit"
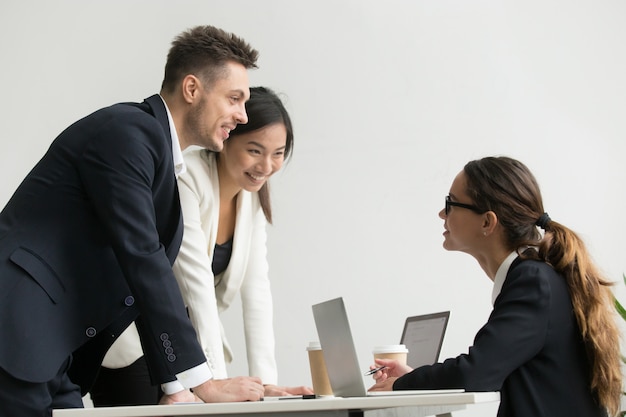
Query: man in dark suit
(88, 238)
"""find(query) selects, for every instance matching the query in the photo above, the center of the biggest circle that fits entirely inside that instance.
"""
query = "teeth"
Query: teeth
(254, 177)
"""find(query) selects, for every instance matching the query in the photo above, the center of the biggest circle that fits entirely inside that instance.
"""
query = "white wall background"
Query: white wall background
(389, 100)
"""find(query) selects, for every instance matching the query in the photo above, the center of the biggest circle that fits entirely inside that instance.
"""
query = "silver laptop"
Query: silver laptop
(423, 337)
(342, 364)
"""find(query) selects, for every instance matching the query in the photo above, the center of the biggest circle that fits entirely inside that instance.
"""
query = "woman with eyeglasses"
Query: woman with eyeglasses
(551, 345)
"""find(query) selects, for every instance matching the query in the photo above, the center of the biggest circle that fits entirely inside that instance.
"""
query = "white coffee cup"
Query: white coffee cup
(397, 352)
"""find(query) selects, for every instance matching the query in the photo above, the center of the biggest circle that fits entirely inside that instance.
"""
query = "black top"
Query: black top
(221, 257)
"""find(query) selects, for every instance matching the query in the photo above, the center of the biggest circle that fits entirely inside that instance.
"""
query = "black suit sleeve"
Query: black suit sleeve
(123, 168)
(515, 332)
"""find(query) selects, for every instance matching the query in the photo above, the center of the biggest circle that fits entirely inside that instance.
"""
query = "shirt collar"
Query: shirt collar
(498, 282)
(177, 153)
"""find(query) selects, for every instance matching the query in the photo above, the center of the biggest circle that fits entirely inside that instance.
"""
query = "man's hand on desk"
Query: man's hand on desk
(241, 388)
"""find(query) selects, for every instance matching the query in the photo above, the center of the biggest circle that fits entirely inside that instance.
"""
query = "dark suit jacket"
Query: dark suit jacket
(530, 350)
(86, 244)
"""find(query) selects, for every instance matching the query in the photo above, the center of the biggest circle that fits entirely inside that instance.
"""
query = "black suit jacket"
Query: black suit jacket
(86, 244)
(530, 350)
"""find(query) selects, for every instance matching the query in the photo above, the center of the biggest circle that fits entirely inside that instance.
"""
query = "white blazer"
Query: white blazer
(207, 296)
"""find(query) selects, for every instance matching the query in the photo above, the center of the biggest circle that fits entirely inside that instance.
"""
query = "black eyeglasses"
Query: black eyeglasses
(450, 203)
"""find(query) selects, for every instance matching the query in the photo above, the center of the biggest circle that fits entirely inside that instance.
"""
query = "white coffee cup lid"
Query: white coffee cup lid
(314, 346)
(390, 349)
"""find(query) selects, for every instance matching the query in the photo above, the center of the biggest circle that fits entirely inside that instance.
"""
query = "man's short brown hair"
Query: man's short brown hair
(204, 52)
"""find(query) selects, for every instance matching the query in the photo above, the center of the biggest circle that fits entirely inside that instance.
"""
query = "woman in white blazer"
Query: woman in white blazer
(226, 207)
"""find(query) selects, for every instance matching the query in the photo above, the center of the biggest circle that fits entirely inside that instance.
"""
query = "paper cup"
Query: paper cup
(397, 352)
(319, 375)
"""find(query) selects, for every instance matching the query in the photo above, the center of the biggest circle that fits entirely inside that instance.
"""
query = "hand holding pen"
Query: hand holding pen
(382, 381)
(385, 372)
(374, 370)
(384, 368)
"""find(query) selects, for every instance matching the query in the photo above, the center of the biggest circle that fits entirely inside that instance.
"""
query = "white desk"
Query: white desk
(392, 406)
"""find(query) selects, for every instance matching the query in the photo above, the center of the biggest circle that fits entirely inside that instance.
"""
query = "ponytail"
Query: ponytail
(593, 306)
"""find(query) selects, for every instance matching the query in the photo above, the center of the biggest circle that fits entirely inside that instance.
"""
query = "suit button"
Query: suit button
(129, 301)
(90, 332)
(167, 343)
(169, 351)
(164, 336)
(171, 357)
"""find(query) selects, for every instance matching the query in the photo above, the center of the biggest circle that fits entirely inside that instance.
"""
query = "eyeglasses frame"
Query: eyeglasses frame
(450, 203)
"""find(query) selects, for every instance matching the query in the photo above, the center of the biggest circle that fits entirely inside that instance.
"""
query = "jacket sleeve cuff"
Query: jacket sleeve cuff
(188, 379)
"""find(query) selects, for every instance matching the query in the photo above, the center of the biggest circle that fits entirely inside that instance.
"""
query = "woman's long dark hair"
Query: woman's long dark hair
(264, 108)
(508, 188)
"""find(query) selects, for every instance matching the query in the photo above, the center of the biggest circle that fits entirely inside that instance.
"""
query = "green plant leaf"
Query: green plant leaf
(618, 306)
(620, 309)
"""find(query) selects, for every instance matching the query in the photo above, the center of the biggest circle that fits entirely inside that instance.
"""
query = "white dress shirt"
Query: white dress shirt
(498, 281)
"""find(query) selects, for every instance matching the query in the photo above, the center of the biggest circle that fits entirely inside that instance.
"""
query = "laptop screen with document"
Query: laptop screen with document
(423, 337)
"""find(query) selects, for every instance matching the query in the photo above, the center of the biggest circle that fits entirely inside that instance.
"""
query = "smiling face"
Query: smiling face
(218, 109)
(463, 227)
(248, 160)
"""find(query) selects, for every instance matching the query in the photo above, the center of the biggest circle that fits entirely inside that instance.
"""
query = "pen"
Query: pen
(373, 371)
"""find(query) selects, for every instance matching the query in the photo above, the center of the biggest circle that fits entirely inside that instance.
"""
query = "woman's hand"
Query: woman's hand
(240, 388)
(385, 384)
(276, 391)
(391, 368)
(388, 375)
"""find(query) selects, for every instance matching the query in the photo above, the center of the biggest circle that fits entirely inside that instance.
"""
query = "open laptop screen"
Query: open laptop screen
(344, 373)
(423, 337)
(342, 364)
